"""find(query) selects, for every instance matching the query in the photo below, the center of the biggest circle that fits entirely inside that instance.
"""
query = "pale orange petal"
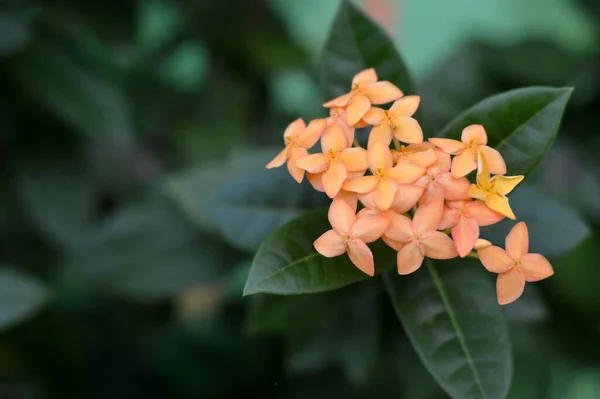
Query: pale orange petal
(330, 244)
(405, 106)
(428, 217)
(517, 241)
(410, 258)
(405, 173)
(441, 165)
(375, 116)
(355, 159)
(433, 192)
(464, 164)
(449, 146)
(312, 133)
(340, 101)
(535, 267)
(316, 180)
(505, 184)
(314, 163)
(481, 243)
(382, 92)
(296, 153)
(278, 160)
(494, 159)
(438, 245)
(384, 194)
(380, 158)
(406, 197)
(334, 178)
(362, 185)
(348, 131)
(495, 259)
(380, 133)
(500, 204)
(464, 234)
(370, 227)
(509, 286)
(423, 158)
(449, 218)
(349, 198)
(357, 108)
(294, 129)
(368, 201)
(454, 189)
(333, 139)
(401, 229)
(408, 130)
(474, 133)
(361, 256)
(366, 77)
(396, 246)
(341, 216)
(484, 216)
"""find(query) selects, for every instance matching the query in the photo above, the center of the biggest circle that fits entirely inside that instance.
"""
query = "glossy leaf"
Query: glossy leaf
(20, 297)
(521, 124)
(356, 43)
(287, 263)
(450, 313)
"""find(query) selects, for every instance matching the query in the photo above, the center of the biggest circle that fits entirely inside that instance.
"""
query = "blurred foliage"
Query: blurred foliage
(123, 126)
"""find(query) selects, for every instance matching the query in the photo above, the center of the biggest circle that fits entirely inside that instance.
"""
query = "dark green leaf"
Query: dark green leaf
(20, 297)
(450, 313)
(287, 263)
(521, 124)
(356, 43)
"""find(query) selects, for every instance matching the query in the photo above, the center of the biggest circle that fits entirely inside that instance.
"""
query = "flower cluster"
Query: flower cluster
(416, 197)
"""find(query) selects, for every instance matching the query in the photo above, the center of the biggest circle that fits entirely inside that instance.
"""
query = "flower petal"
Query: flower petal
(449, 218)
(517, 241)
(330, 244)
(438, 245)
(294, 129)
(505, 184)
(481, 243)
(428, 217)
(474, 133)
(355, 159)
(369, 227)
(406, 197)
(408, 130)
(405, 106)
(380, 133)
(396, 246)
(484, 216)
(334, 178)
(509, 286)
(312, 133)
(375, 116)
(296, 153)
(494, 159)
(341, 216)
(441, 165)
(349, 198)
(535, 267)
(380, 158)
(362, 185)
(464, 164)
(449, 146)
(476, 192)
(368, 201)
(340, 101)
(424, 158)
(465, 234)
(333, 139)
(316, 180)
(384, 194)
(495, 259)
(433, 192)
(454, 189)
(382, 92)
(401, 229)
(362, 257)
(500, 204)
(405, 173)
(357, 108)
(410, 258)
(314, 163)
(278, 160)
(365, 77)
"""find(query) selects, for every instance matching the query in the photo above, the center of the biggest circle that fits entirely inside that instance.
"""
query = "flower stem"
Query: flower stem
(356, 143)
(472, 254)
(397, 144)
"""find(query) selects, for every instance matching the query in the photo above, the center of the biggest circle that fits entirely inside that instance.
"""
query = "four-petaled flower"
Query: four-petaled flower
(494, 190)
(422, 154)
(514, 266)
(366, 90)
(439, 183)
(473, 142)
(395, 123)
(351, 234)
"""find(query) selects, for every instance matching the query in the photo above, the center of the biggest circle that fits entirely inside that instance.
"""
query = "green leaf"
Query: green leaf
(287, 263)
(521, 124)
(450, 313)
(356, 43)
(20, 297)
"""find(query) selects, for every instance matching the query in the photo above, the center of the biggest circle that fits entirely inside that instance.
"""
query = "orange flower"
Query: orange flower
(465, 217)
(419, 237)
(337, 116)
(385, 179)
(474, 140)
(298, 139)
(351, 234)
(336, 160)
(493, 191)
(420, 154)
(514, 266)
(366, 90)
(395, 123)
(439, 183)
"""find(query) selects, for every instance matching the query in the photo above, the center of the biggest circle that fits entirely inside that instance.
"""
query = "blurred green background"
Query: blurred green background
(126, 128)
